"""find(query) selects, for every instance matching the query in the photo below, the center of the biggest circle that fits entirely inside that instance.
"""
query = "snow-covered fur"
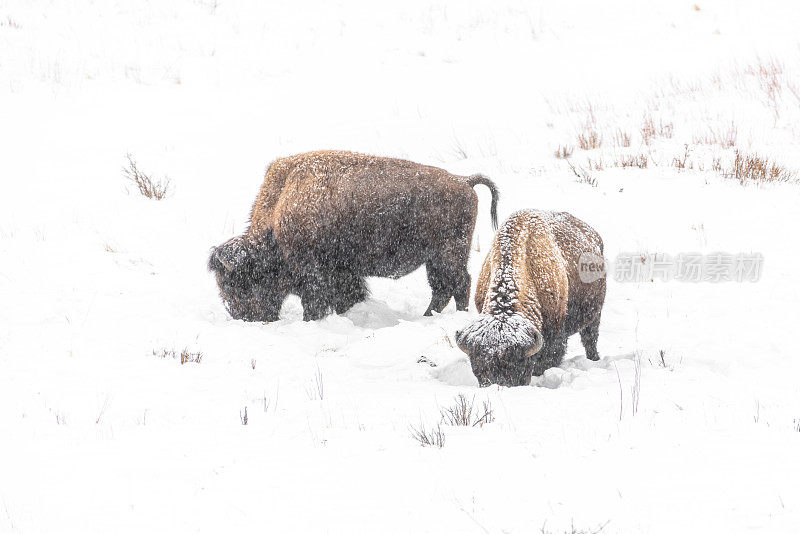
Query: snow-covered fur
(323, 221)
(531, 298)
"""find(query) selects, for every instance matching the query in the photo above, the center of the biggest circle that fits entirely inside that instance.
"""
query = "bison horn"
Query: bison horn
(537, 344)
(231, 253)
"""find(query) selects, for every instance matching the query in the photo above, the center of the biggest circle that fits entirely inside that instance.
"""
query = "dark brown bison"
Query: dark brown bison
(542, 281)
(323, 221)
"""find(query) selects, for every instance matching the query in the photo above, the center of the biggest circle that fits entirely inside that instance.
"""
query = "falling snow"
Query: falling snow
(101, 433)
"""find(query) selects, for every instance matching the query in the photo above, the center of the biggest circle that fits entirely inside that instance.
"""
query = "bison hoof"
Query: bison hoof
(594, 357)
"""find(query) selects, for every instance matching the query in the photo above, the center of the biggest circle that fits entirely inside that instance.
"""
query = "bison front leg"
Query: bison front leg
(316, 294)
(350, 291)
(551, 355)
(313, 307)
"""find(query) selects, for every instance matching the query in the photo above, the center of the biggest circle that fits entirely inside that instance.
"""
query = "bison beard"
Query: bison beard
(323, 221)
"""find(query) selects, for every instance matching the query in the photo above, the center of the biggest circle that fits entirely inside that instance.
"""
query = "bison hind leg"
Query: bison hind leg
(332, 291)
(461, 291)
(448, 279)
(589, 335)
(441, 288)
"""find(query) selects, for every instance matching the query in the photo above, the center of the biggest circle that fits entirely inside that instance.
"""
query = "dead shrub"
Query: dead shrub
(464, 413)
(145, 184)
(433, 437)
(747, 168)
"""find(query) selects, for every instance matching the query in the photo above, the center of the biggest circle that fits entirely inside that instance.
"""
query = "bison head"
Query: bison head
(251, 278)
(502, 350)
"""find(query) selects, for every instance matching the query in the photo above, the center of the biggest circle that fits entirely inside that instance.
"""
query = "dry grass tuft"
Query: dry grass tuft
(582, 175)
(316, 391)
(185, 356)
(458, 149)
(573, 530)
(589, 138)
(681, 163)
(145, 184)
(563, 152)
(724, 137)
(433, 437)
(752, 168)
(622, 138)
(768, 72)
(596, 165)
(651, 130)
(640, 161)
(8, 22)
(794, 90)
(464, 413)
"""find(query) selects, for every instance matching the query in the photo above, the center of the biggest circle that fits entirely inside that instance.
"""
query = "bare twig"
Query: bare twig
(145, 184)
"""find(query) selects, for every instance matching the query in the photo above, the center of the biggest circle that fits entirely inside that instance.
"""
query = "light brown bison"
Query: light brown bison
(542, 281)
(323, 221)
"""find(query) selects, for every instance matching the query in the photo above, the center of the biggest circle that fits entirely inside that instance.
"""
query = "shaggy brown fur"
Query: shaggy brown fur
(531, 298)
(323, 221)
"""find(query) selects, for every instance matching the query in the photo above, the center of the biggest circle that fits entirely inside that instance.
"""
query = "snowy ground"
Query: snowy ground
(100, 433)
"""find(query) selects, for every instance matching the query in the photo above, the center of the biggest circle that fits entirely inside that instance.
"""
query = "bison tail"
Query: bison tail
(479, 179)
